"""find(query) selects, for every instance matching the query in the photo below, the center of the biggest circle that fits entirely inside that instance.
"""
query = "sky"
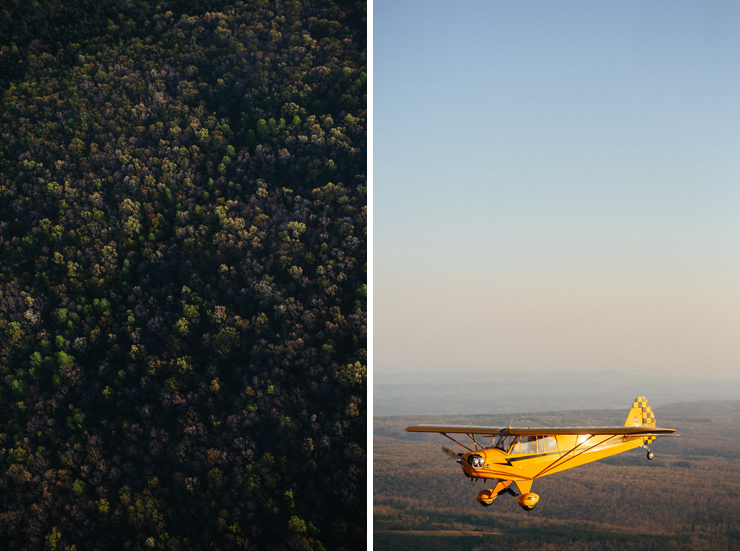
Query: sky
(556, 186)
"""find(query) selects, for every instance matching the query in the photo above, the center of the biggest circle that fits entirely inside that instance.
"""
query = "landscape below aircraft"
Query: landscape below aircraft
(517, 455)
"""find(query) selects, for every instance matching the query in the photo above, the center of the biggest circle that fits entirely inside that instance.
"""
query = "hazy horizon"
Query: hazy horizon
(400, 376)
(556, 187)
(446, 393)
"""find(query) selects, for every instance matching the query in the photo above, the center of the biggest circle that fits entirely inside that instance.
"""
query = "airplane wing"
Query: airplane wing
(543, 431)
(593, 431)
(455, 429)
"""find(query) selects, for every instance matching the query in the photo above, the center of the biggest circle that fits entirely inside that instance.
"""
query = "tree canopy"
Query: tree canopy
(183, 275)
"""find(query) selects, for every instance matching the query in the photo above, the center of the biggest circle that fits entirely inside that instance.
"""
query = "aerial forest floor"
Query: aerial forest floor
(183, 275)
(688, 497)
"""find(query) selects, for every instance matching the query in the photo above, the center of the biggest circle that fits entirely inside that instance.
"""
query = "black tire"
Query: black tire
(650, 455)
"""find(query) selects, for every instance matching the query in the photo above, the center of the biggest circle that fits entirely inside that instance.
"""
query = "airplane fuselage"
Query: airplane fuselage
(563, 452)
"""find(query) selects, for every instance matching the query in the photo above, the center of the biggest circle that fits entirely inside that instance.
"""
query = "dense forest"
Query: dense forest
(183, 275)
(687, 498)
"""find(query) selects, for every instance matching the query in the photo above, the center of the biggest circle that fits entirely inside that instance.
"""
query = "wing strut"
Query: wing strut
(478, 445)
(560, 461)
(456, 442)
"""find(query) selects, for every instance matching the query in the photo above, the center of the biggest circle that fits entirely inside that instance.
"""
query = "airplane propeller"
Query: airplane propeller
(452, 453)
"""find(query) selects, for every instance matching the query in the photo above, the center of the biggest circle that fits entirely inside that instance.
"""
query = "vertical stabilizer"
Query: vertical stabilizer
(641, 415)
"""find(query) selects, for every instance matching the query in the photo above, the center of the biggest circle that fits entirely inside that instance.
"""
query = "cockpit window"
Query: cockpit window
(525, 444)
(536, 444)
(504, 441)
(529, 444)
(548, 444)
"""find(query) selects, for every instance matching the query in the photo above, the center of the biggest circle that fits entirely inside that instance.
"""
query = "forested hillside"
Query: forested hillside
(182, 275)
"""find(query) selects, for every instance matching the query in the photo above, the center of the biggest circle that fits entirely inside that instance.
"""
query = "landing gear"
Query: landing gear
(528, 501)
(650, 454)
(486, 497)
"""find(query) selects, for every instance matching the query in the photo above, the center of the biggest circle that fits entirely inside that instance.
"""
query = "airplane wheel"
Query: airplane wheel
(486, 497)
(528, 501)
(650, 455)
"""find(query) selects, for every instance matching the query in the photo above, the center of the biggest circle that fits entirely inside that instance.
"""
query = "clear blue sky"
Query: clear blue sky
(557, 186)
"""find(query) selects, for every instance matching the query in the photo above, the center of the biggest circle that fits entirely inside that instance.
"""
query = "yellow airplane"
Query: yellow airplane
(517, 456)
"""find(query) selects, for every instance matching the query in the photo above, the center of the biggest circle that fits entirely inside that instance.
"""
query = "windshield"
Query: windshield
(503, 441)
